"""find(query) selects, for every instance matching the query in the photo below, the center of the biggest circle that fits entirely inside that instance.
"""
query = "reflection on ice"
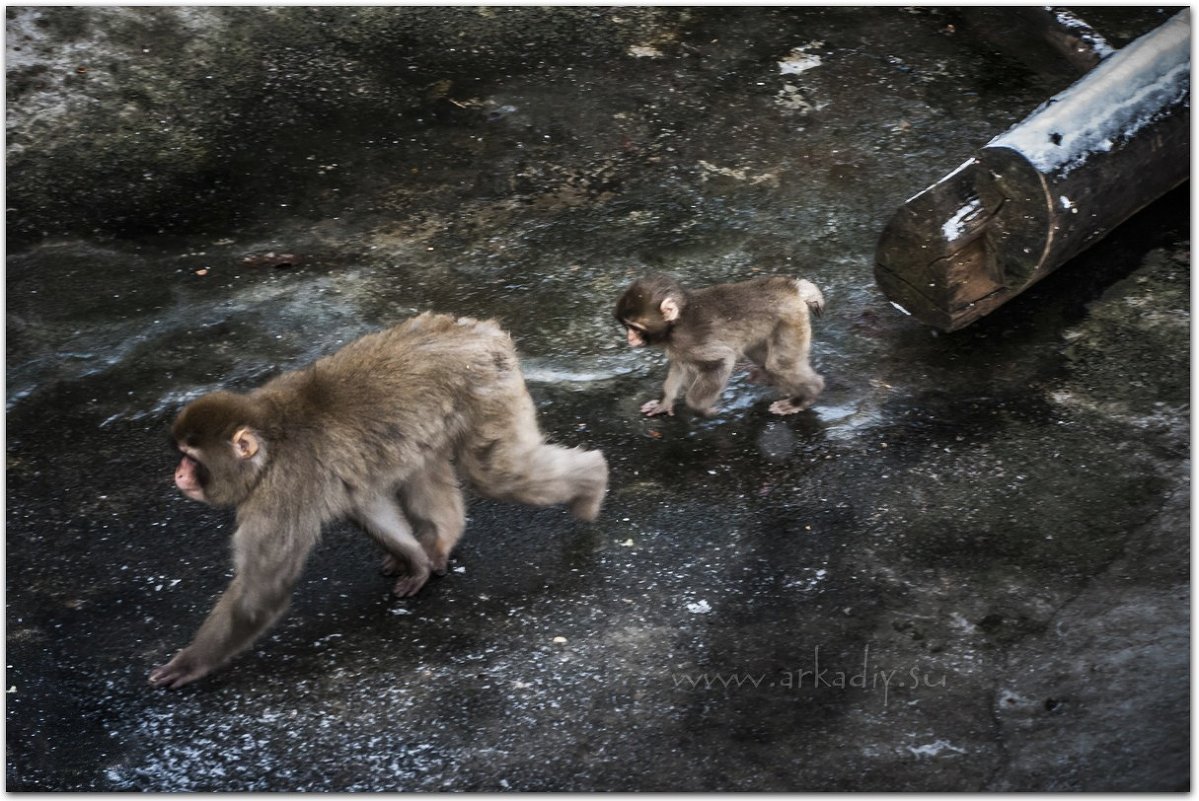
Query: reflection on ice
(576, 375)
(847, 420)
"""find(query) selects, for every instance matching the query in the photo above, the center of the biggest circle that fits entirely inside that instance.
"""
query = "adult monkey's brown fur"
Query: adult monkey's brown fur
(378, 433)
(705, 331)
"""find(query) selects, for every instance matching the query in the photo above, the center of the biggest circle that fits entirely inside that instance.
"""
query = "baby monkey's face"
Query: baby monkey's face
(648, 311)
(635, 334)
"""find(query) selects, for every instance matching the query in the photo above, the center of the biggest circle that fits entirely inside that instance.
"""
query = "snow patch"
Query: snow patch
(955, 226)
(737, 174)
(791, 98)
(799, 60)
(810, 582)
(1085, 32)
(1151, 75)
(645, 51)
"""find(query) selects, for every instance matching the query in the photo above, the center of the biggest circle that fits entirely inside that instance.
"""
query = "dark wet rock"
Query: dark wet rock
(981, 539)
(117, 114)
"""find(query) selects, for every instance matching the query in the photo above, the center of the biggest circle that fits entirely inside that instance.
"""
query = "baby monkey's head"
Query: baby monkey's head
(649, 308)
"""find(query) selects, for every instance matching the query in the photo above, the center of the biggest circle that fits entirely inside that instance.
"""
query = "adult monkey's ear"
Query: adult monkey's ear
(245, 443)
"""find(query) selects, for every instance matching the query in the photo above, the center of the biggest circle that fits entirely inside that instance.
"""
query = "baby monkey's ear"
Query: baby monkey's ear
(669, 309)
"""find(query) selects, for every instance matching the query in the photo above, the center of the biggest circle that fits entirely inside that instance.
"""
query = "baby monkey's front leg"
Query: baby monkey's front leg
(676, 378)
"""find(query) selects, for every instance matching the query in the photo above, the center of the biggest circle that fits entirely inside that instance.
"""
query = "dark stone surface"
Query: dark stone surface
(982, 538)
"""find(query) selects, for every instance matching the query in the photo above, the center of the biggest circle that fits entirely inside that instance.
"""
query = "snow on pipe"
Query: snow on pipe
(1047, 189)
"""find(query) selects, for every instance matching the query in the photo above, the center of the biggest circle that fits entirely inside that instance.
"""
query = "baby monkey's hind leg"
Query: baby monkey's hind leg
(789, 367)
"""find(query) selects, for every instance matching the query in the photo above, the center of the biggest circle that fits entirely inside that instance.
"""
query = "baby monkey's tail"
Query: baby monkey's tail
(810, 295)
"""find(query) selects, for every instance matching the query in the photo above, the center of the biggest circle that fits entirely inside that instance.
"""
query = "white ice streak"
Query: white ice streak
(970, 162)
(935, 749)
(546, 371)
(1115, 100)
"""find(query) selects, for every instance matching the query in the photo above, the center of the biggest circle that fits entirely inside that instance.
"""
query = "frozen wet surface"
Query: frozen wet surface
(981, 539)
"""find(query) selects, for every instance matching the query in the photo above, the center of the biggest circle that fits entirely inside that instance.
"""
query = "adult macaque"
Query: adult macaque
(705, 332)
(379, 433)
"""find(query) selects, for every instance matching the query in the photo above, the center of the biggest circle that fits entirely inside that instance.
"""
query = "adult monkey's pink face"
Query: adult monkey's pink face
(190, 475)
(217, 450)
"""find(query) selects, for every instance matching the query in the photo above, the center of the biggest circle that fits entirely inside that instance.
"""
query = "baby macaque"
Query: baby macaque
(380, 432)
(706, 331)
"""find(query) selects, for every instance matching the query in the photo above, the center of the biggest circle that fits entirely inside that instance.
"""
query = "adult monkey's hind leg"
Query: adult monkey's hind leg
(432, 500)
(508, 459)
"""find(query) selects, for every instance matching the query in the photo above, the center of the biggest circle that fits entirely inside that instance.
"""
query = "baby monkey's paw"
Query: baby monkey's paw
(789, 406)
(656, 407)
